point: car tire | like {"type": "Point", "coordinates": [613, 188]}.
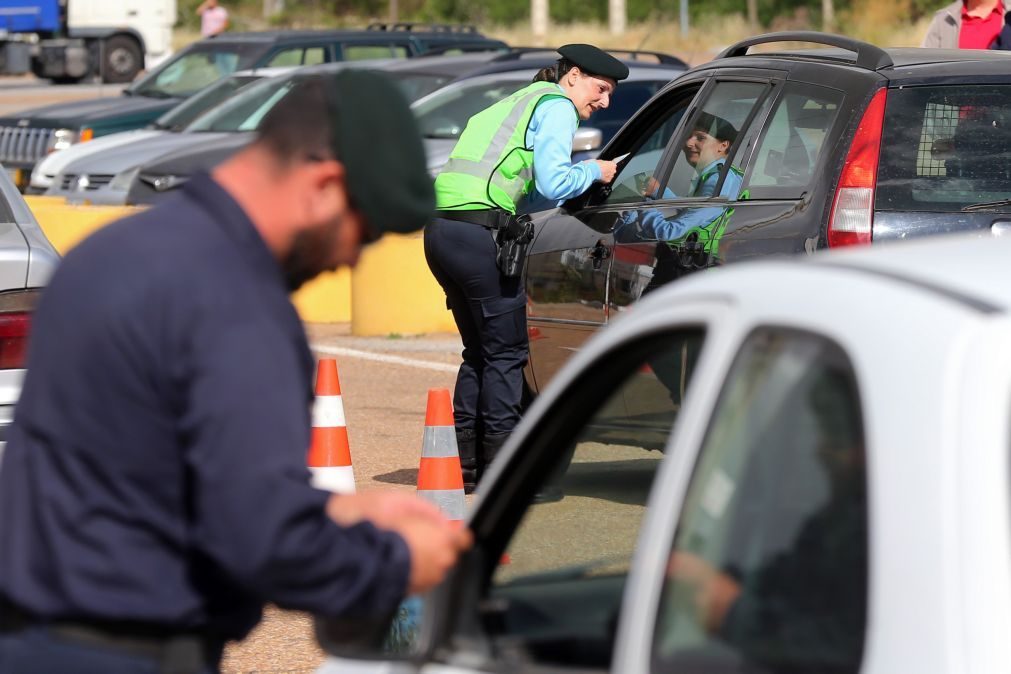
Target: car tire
{"type": "Point", "coordinates": [121, 59]}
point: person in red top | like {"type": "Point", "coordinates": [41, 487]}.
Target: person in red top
{"type": "Point", "coordinates": [966, 24]}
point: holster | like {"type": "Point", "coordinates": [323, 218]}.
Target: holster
{"type": "Point", "coordinates": [512, 238]}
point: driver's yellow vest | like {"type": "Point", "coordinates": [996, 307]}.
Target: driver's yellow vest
{"type": "Point", "coordinates": [491, 167]}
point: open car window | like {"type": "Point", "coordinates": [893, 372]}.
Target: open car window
{"type": "Point", "coordinates": [703, 166]}
{"type": "Point", "coordinates": [558, 588]}
{"type": "Point", "coordinates": [640, 170]}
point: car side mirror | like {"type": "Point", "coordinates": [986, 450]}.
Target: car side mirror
{"type": "Point", "coordinates": [587, 139]}
{"type": "Point", "coordinates": [353, 638]}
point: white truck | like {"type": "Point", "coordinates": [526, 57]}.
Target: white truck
{"type": "Point", "coordinates": [72, 40]}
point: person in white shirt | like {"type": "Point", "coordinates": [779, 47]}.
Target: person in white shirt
{"type": "Point", "coordinates": [213, 18]}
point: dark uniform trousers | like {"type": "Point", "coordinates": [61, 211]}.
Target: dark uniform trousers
{"type": "Point", "coordinates": [490, 312]}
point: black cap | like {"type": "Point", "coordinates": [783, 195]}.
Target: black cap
{"type": "Point", "coordinates": [594, 61]}
{"type": "Point", "coordinates": [716, 126]}
{"type": "Point", "coordinates": [376, 137]}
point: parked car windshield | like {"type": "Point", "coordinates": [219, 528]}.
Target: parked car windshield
{"type": "Point", "coordinates": [195, 68]}
{"type": "Point", "coordinates": [243, 111]}
{"type": "Point", "coordinates": [418, 85]}
{"type": "Point", "coordinates": [183, 114]}
{"type": "Point", "coordinates": [945, 148]}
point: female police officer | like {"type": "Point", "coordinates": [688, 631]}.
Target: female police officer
{"type": "Point", "coordinates": [518, 144]}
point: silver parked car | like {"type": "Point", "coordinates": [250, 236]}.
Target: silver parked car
{"type": "Point", "coordinates": [27, 260]}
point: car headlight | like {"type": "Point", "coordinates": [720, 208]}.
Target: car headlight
{"type": "Point", "coordinates": [64, 138]}
{"type": "Point", "coordinates": [163, 183]}
{"type": "Point", "coordinates": [123, 179]}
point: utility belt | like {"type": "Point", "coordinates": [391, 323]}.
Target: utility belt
{"type": "Point", "coordinates": [175, 652]}
{"type": "Point", "coordinates": [512, 235]}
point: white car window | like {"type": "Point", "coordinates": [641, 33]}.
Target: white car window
{"type": "Point", "coordinates": [768, 571]}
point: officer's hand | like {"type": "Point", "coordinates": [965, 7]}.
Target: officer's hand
{"type": "Point", "coordinates": [382, 508]}
{"type": "Point", "coordinates": [434, 546]}
{"type": "Point", "coordinates": [608, 169]}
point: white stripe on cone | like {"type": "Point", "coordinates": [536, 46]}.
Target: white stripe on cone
{"type": "Point", "coordinates": [328, 412]}
{"type": "Point", "coordinates": [336, 479]}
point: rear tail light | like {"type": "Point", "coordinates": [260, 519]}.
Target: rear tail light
{"type": "Point", "coordinates": [14, 328]}
{"type": "Point", "coordinates": [16, 310]}
{"type": "Point", "coordinates": [852, 218]}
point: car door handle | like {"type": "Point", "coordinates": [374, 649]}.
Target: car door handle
{"type": "Point", "coordinates": [1001, 228]}
{"type": "Point", "coordinates": [598, 254]}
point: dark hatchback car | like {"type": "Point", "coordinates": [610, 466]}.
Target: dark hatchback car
{"type": "Point", "coordinates": [829, 147]}
{"type": "Point", "coordinates": [30, 135]}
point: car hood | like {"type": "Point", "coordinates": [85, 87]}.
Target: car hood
{"type": "Point", "coordinates": [57, 161]}
{"type": "Point", "coordinates": [437, 151]}
{"type": "Point", "coordinates": [124, 157]}
{"type": "Point", "coordinates": [89, 111]}
{"type": "Point", "coordinates": [200, 157]}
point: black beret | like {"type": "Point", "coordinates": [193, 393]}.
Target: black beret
{"type": "Point", "coordinates": [594, 61]}
{"type": "Point", "coordinates": [715, 126]}
{"type": "Point", "coordinates": [376, 137]}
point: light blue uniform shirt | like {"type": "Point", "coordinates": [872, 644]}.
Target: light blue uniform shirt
{"type": "Point", "coordinates": [653, 226]}
{"type": "Point", "coordinates": [550, 134]}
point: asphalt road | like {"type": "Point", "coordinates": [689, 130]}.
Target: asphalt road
{"type": "Point", "coordinates": [24, 93]}
{"type": "Point", "coordinates": [385, 384]}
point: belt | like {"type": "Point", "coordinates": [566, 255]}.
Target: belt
{"type": "Point", "coordinates": [489, 218]}
{"type": "Point", "coordinates": [176, 652]}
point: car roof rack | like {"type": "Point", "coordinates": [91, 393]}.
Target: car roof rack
{"type": "Point", "coordinates": [516, 53]}
{"type": "Point", "coordinates": [427, 27]}
{"type": "Point", "coordinates": [869, 56]}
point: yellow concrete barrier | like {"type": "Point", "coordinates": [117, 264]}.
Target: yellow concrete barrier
{"type": "Point", "coordinates": [325, 299]}
{"type": "Point", "coordinates": [66, 224]}
{"type": "Point", "coordinates": [393, 290]}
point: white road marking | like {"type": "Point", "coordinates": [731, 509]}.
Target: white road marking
{"type": "Point", "coordinates": [383, 358]}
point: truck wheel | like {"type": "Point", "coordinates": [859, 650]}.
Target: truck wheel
{"type": "Point", "coordinates": [122, 59]}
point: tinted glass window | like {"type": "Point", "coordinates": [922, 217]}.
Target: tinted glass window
{"type": "Point", "coordinates": [768, 571]}
{"type": "Point", "coordinates": [704, 151]}
{"type": "Point", "coordinates": [234, 114]}
{"type": "Point", "coordinates": [944, 148]}
{"type": "Point", "coordinates": [445, 114]}
{"type": "Point", "coordinates": [636, 175]}
{"type": "Point", "coordinates": [361, 52]}
{"type": "Point", "coordinates": [418, 85]}
{"type": "Point", "coordinates": [561, 583]}
{"type": "Point", "coordinates": [299, 57]}
{"type": "Point", "coordinates": [794, 138]}
{"type": "Point", "coordinates": [196, 105]}
{"type": "Point", "coordinates": [197, 67]}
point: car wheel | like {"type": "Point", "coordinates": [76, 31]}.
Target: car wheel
{"type": "Point", "coordinates": [122, 59]}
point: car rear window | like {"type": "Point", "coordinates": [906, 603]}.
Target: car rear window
{"type": "Point", "coordinates": [944, 148]}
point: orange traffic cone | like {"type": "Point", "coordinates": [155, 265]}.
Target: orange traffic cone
{"type": "Point", "coordinates": [329, 452]}
{"type": "Point", "coordinates": [440, 478]}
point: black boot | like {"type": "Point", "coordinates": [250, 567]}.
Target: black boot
{"type": "Point", "coordinates": [491, 443]}
{"type": "Point", "coordinates": [466, 444]}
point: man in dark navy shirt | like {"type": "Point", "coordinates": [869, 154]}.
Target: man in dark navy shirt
{"type": "Point", "coordinates": [154, 494]}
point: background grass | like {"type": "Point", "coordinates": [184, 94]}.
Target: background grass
{"type": "Point", "coordinates": [887, 23]}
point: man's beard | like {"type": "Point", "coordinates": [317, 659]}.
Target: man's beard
{"type": "Point", "coordinates": [308, 257]}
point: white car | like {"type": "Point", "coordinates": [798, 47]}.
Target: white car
{"type": "Point", "coordinates": [832, 494]}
